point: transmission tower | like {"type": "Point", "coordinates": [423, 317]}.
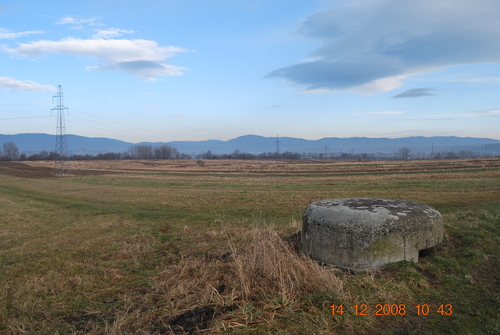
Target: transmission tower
{"type": "Point", "coordinates": [62, 160]}
{"type": "Point", "coordinates": [277, 141]}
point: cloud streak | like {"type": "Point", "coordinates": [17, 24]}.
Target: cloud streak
{"type": "Point", "coordinates": [472, 114]}
{"type": "Point", "coordinates": [73, 20]}
{"type": "Point", "coordinates": [140, 58]}
{"type": "Point", "coordinates": [416, 93]}
{"type": "Point", "coordinates": [427, 119]}
{"type": "Point", "coordinates": [7, 34]}
{"type": "Point", "coordinates": [385, 113]}
{"type": "Point", "coordinates": [111, 32]}
{"type": "Point", "coordinates": [14, 85]}
{"type": "Point", "coordinates": [394, 39]}
{"type": "Point", "coordinates": [480, 113]}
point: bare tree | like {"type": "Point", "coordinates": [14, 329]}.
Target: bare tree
{"type": "Point", "coordinates": [404, 153]}
{"type": "Point", "coordinates": [132, 151]}
{"type": "Point", "coordinates": [144, 151]}
{"type": "Point", "coordinates": [141, 151]}
{"type": "Point", "coordinates": [10, 151]}
{"type": "Point", "coordinates": [166, 152]}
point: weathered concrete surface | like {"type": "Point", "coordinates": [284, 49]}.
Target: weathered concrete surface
{"type": "Point", "coordinates": [362, 233]}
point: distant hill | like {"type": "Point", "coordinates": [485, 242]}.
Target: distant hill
{"type": "Point", "coordinates": [332, 145]}
{"type": "Point", "coordinates": [32, 143]}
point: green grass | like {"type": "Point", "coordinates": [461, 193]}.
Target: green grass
{"type": "Point", "coordinates": [130, 253]}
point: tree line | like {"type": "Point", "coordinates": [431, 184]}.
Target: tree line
{"type": "Point", "coordinates": [404, 153]}
{"type": "Point", "coordinates": [10, 152]}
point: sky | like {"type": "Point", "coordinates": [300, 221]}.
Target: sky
{"type": "Point", "coordinates": [177, 70]}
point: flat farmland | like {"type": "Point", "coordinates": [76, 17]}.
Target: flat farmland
{"type": "Point", "coordinates": [212, 247]}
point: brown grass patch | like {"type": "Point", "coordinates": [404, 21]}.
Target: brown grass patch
{"type": "Point", "coordinates": [267, 273]}
{"type": "Point", "coordinates": [270, 267]}
{"type": "Point", "coordinates": [259, 167]}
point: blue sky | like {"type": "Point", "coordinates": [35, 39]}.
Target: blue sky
{"type": "Point", "coordinates": [218, 69]}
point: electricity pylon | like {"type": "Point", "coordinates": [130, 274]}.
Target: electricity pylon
{"type": "Point", "coordinates": [277, 141]}
{"type": "Point", "coordinates": [61, 156]}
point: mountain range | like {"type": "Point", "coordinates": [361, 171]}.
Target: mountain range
{"type": "Point", "coordinates": [33, 143]}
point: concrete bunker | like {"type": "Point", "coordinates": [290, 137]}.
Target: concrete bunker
{"type": "Point", "coordinates": [364, 233]}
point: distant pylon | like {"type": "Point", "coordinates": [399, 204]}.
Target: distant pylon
{"type": "Point", "coordinates": [277, 141]}
{"type": "Point", "coordinates": [62, 160]}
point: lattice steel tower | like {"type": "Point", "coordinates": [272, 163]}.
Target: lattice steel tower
{"type": "Point", "coordinates": [62, 160]}
{"type": "Point", "coordinates": [277, 141]}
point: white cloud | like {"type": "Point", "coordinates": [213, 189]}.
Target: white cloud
{"type": "Point", "coordinates": [141, 58]}
{"type": "Point", "coordinates": [480, 80]}
{"type": "Point", "coordinates": [111, 32]}
{"type": "Point", "coordinates": [11, 84]}
{"type": "Point", "coordinates": [381, 113]}
{"type": "Point", "coordinates": [370, 88]}
{"type": "Point", "coordinates": [431, 118]}
{"type": "Point", "coordinates": [472, 114]}
{"type": "Point", "coordinates": [386, 113]}
{"type": "Point", "coordinates": [377, 86]}
{"type": "Point", "coordinates": [363, 46]}
{"type": "Point", "coordinates": [72, 20]}
{"type": "Point", "coordinates": [480, 113]}
{"type": "Point", "coordinates": [7, 34]}
{"type": "Point", "coordinates": [147, 70]}
{"type": "Point", "coordinates": [487, 113]}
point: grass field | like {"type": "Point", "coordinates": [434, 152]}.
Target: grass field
{"type": "Point", "coordinates": [176, 247]}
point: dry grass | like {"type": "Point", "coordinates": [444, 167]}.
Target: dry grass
{"type": "Point", "coordinates": [269, 267]}
{"type": "Point", "coordinates": [259, 167]}
{"type": "Point", "coordinates": [267, 274]}
{"type": "Point", "coordinates": [162, 248]}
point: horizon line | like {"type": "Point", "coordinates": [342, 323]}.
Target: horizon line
{"type": "Point", "coordinates": [281, 137]}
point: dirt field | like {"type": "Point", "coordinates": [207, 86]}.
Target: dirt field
{"type": "Point", "coordinates": [45, 169]}
{"type": "Point", "coordinates": [37, 170]}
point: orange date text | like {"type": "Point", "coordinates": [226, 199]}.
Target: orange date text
{"type": "Point", "coordinates": [391, 309]}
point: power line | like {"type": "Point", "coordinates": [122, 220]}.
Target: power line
{"type": "Point", "coordinates": [135, 113]}
{"type": "Point", "coordinates": [31, 104]}
{"type": "Point", "coordinates": [141, 136]}
{"type": "Point", "coordinates": [199, 131]}
{"type": "Point", "coordinates": [103, 118]}
{"type": "Point", "coordinates": [86, 125]}
{"type": "Point", "coordinates": [123, 131]}
{"type": "Point", "coordinates": [25, 117]}
{"type": "Point", "coordinates": [120, 130]}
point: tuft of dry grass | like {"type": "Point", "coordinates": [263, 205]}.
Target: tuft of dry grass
{"type": "Point", "coordinates": [269, 266]}
{"type": "Point", "coordinates": [262, 270]}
